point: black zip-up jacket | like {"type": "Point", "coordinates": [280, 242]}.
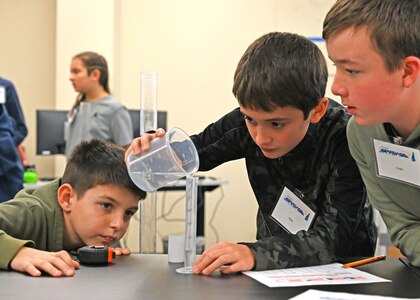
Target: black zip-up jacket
{"type": "Point", "coordinates": [320, 169]}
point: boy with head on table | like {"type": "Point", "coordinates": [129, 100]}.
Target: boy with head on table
{"type": "Point", "coordinates": [312, 204]}
{"type": "Point", "coordinates": [90, 205]}
{"type": "Point", "coordinates": [375, 46]}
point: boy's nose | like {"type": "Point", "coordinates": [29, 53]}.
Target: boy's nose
{"type": "Point", "coordinates": [337, 87]}
{"type": "Point", "coordinates": [117, 222]}
{"type": "Point", "coordinates": [262, 138]}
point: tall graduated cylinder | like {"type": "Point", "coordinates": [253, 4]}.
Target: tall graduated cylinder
{"type": "Point", "coordinates": [148, 101]}
{"type": "Point", "coordinates": [148, 122]}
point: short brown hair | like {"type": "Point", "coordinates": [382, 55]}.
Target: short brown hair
{"type": "Point", "coordinates": [96, 162]}
{"type": "Point", "coordinates": [394, 26]}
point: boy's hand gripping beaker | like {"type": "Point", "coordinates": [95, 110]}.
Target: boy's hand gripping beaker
{"type": "Point", "coordinates": [170, 158]}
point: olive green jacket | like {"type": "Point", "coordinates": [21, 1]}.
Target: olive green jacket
{"type": "Point", "coordinates": [397, 202]}
{"type": "Point", "coordinates": [34, 219]}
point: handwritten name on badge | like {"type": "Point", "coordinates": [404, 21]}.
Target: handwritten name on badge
{"type": "Point", "coordinates": [397, 162]}
{"type": "Point", "coordinates": [292, 213]}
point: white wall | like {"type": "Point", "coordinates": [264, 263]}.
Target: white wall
{"type": "Point", "coordinates": [305, 17]}
{"type": "Point", "coordinates": [194, 46]}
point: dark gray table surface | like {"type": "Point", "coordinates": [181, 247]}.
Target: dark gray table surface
{"type": "Point", "coordinates": [151, 277]}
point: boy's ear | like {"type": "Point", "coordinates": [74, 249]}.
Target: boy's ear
{"type": "Point", "coordinates": [318, 112]}
{"type": "Point", "coordinates": [66, 194]}
{"type": "Point", "coordinates": [411, 65]}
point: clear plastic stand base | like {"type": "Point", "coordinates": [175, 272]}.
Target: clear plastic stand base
{"type": "Point", "coordinates": [190, 225]}
{"type": "Point", "coordinates": [185, 270]}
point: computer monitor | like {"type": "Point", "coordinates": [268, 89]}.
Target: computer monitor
{"type": "Point", "coordinates": [50, 129]}
{"type": "Point", "coordinates": [135, 120]}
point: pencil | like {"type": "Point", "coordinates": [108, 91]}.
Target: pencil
{"type": "Point", "coordinates": [363, 261]}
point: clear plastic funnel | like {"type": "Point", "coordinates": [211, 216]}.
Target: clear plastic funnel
{"type": "Point", "coordinates": [170, 158]}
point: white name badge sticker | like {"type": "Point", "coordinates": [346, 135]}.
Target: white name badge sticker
{"type": "Point", "coordinates": [2, 95]}
{"type": "Point", "coordinates": [397, 162]}
{"type": "Point", "coordinates": [291, 213]}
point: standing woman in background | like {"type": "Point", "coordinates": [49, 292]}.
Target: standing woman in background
{"type": "Point", "coordinates": [96, 113]}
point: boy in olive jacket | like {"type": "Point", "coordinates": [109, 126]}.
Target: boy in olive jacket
{"type": "Point", "coordinates": [90, 205]}
{"type": "Point", "coordinates": [375, 46]}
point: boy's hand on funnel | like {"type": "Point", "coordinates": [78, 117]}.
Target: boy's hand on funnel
{"type": "Point", "coordinates": [142, 143]}
{"type": "Point", "coordinates": [226, 257]}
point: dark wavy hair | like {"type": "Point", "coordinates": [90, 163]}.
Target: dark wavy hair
{"type": "Point", "coordinates": [281, 69]}
{"type": "Point", "coordinates": [93, 61]}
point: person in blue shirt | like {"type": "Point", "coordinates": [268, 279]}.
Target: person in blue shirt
{"type": "Point", "coordinates": [13, 131]}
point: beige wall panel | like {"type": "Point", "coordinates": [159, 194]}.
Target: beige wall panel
{"type": "Point", "coordinates": [27, 50]}
{"type": "Point", "coordinates": [305, 17]}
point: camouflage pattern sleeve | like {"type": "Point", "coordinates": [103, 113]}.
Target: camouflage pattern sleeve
{"type": "Point", "coordinates": [343, 226]}
{"type": "Point", "coordinates": [321, 169]}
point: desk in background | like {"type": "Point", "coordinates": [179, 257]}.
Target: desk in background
{"type": "Point", "coordinates": [36, 185]}
{"type": "Point", "coordinates": [205, 184]}
{"type": "Point", "coordinates": [149, 276]}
